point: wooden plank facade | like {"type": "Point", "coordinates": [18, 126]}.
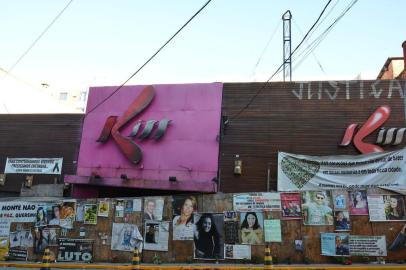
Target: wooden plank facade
{"type": "Point", "coordinates": [307, 118]}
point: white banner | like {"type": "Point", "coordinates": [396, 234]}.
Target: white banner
{"type": "Point", "coordinates": [15, 211]}
{"type": "Point", "coordinates": [34, 165]}
{"type": "Point", "coordinates": [383, 170]}
{"type": "Point", "coordinates": [363, 245]}
{"type": "Point", "coordinates": [237, 252]}
{"type": "Point", "coordinates": [266, 201]}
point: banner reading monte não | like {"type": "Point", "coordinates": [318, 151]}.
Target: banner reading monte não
{"type": "Point", "coordinates": [376, 170]}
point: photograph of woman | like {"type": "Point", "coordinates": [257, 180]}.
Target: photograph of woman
{"type": "Point", "coordinates": [394, 207]}
{"type": "Point", "coordinates": [183, 226]}
{"type": "Point", "coordinates": [358, 205]}
{"type": "Point", "coordinates": [41, 217]}
{"type": "Point", "coordinates": [251, 228]}
{"type": "Point", "coordinates": [56, 216]}
{"type": "Point", "coordinates": [208, 236]}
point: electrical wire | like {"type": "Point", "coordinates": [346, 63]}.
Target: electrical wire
{"type": "Point", "coordinates": [280, 67]}
{"type": "Point", "coordinates": [149, 59]}
{"type": "Point", "coordinates": [39, 37]}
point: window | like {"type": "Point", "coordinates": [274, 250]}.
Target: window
{"type": "Point", "coordinates": [63, 96]}
{"type": "Point", "coordinates": [83, 96]}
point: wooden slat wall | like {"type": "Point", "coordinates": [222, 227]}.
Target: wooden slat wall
{"type": "Point", "coordinates": [41, 136]}
{"type": "Point", "coordinates": [277, 120]}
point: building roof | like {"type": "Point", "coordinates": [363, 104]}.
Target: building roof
{"type": "Point", "coordinates": [386, 65]}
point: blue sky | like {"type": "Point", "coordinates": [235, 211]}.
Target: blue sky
{"type": "Point", "coordinates": [100, 42]}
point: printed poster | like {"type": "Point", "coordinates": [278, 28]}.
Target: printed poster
{"type": "Point", "coordinates": [75, 250]}
{"type": "Point", "coordinates": [231, 232]}
{"type": "Point", "coordinates": [183, 224]}
{"type": "Point", "coordinates": [153, 208]}
{"type": "Point", "coordinates": [126, 237]}
{"type": "Point", "coordinates": [358, 202]}
{"type": "Point", "coordinates": [54, 214]}
{"type": "Point", "coordinates": [68, 214]}
{"type": "Point", "coordinates": [335, 244]}
{"type": "Point", "coordinates": [44, 237]}
{"type": "Point", "coordinates": [15, 211]}
{"type": "Point", "coordinates": [104, 208]}
{"type": "Point", "coordinates": [156, 235]}
{"type": "Point", "coordinates": [363, 245]}
{"type": "Point", "coordinates": [266, 201]}
{"type": "Point", "coordinates": [237, 252]}
{"type": "Point", "coordinates": [128, 206]}
{"type": "Point", "coordinates": [317, 208]}
{"type": "Point", "coordinates": [17, 254]}
{"type": "Point", "coordinates": [230, 215]}
{"type": "Point", "coordinates": [273, 232]}
{"type": "Point", "coordinates": [340, 199]}
{"type": "Point", "coordinates": [386, 207]}
{"type": "Point", "coordinates": [119, 208]}
{"type": "Point", "coordinates": [33, 165]}
{"type": "Point", "coordinates": [22, 239]}
{"type": "Point", "coordinates": [80, 214]}
{"type": "Point", "coordinates": [342, 221]}
{"type": "Point", "coordinates": [375, 170]}
{"type": "Point", "coordinates": [90, 214]}
{"type": "Point", "coordinates": [137, 205]}
{"type": "Point", "coordinates": [209, 236]}
{"type": "Point", "coordinates": [291, 206]}
{"type": "Point", "coordinates": [251, 227]}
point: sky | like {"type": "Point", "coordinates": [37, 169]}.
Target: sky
{"type": "Point", "coordinates": [100, 42]}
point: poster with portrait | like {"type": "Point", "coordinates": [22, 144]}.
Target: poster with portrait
{"type": "Point", "coordinates": [21, 239]}
{"type": "Point", "coordinates": [119, 208]}
{"type": "Point", "coordinates": [44, 237]}
{"type": "Point", "coordinates": [153, 208]}
{"type": "Point", "coordinates": [273, 231]}
{"type": "Point", "coordinates": [335, 244]}
{"type": "Point", "coordinates": [128, 206]}
{"type": "Point", "coordinates": [68, 214]}
{"type": "Point", "coordinates": [358, 202]}
{"type": "Point", "coordinates": [386, 207]}
{"type": "Point", "coordinates": [340, 199]}
{"type": "Point", "coordinates": [252, 228]}
{"type": "Point", "coordinates": [209, 236]}
{"type": "Point", "coordinates": [54, 214]}
{"type": "Point", "coordinates": [263, 201]}
{"type": "Point", "coordinates": [365, 245]}
{"type": "Point", "coordinates": [317, 208]}
{"type": "Point", "coordinates": [126, 237]}
{"type": "Point", "coordinates": [237, 252]}
{"type": "Point", "coordinates": [291, 208]}
{"type": "Point", "coordinates": [342, 221]}
{"type": "Point", "coordinates": [103, 208]}
{"type": "Point", "coordinates": [80, 214]}
{"type": "Point", "coordinates": [137, 205]}
{"type": "Point", "coordinates": [231, 232]}
{"type": "Point", "coordinates": [90, 214]}
{"type": "Point", "coordinates": [183, 223]}
{"type": "Point", "coordinates": [43, 214]}
{"type": "Point", "coordinates": [156, 235]}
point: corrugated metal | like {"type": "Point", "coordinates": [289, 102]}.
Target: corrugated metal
{"type": "Point", "coordinates": [41, 136]}
{"type": "Point", "coordinates": [277, 120]}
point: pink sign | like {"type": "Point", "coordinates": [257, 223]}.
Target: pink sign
{"type": "Point", "coordinates": [175, 137]}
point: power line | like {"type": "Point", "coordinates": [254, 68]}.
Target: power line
{"type": "Point", "coordinates": [39, 37]}
{"type": "Point", "coordinates": [279, 68]}
{"type": "Point", "coordinates": [149, 59]}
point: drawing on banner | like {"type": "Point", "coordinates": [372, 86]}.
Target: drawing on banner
{"type": "Point", "coordinates": [400, 241]}
{"type": "Point", "coordinates": [386, 207]}
{"type": "Point", "coordinates": [90, 214]}
{"type": "Point", "coordinates": [156, 235]}
{"type": "Point", "coordinates": [153, 208]}
{"type": "Point", "coordinates": [183, 225]}
{"type": "Point", "coordinates": [126, 237]}
{"type": "Point", "coordinates": [55, 216]}
{"type": "Point", "coordinates": [358, 205]}
{"type": "Point", "coordinates": [252, 232]}
{"type": "Point", "coordinates": [267, 201]}
{"type": "Point", "coordinates": [301, 172]}
{"type": "Point", "coordinates": [103, 209]}
{"type": "Point", "coordinates": [23, 239]}
{"type": "Point", "coordinates": [273, 231]}
{"type": "Point", "coordinates": [335, 244]}
{"type": "Point", "coordinates": [342, 221]}
{"type": "Point", "coordinates": [80, 250]}
{"type": "Point", "coordinates": [291, 206]}
{"type": "Point", "coordinates": [137, 205]}
{"type": "Point", "coordinates": [237, 252]}
{"type": "Point", "coordinates": [208, 236]}
{"type": "Point", "coordinates": [317, 208]}
{"type": "Point", "coordinates": [364, 245]}
{"type": "Point", "coordinates": [68, 213]}
{"type": "Point", "coordinates": [340, 199]}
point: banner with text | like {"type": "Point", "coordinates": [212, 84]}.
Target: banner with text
{"type": "Point", "coordinates": [383, 170]}
{"type": "Point", "coordinates": [265, 201]}
{"type": "Point", "coordinates": [75, 250]}
{"type": "Point", "coordinates": [363, 245]}
{"type": "Point", "coordinates": [34, 165]}
{"type": "Point", "coordinates": [15, 211]}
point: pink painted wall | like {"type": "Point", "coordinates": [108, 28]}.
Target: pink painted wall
{"type": "Point", "coordinates": [189, 149]}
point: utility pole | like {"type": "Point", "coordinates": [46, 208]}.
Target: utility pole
{"type": "Point", "coordinates": [287, 46]}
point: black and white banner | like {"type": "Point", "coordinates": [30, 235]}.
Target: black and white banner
{"type": "Point", "coordinates": [33, 165]}
{"type": "Point", "coordinates": [75, 250]}
{"type": "Point", "coordinates": [383, 170]}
